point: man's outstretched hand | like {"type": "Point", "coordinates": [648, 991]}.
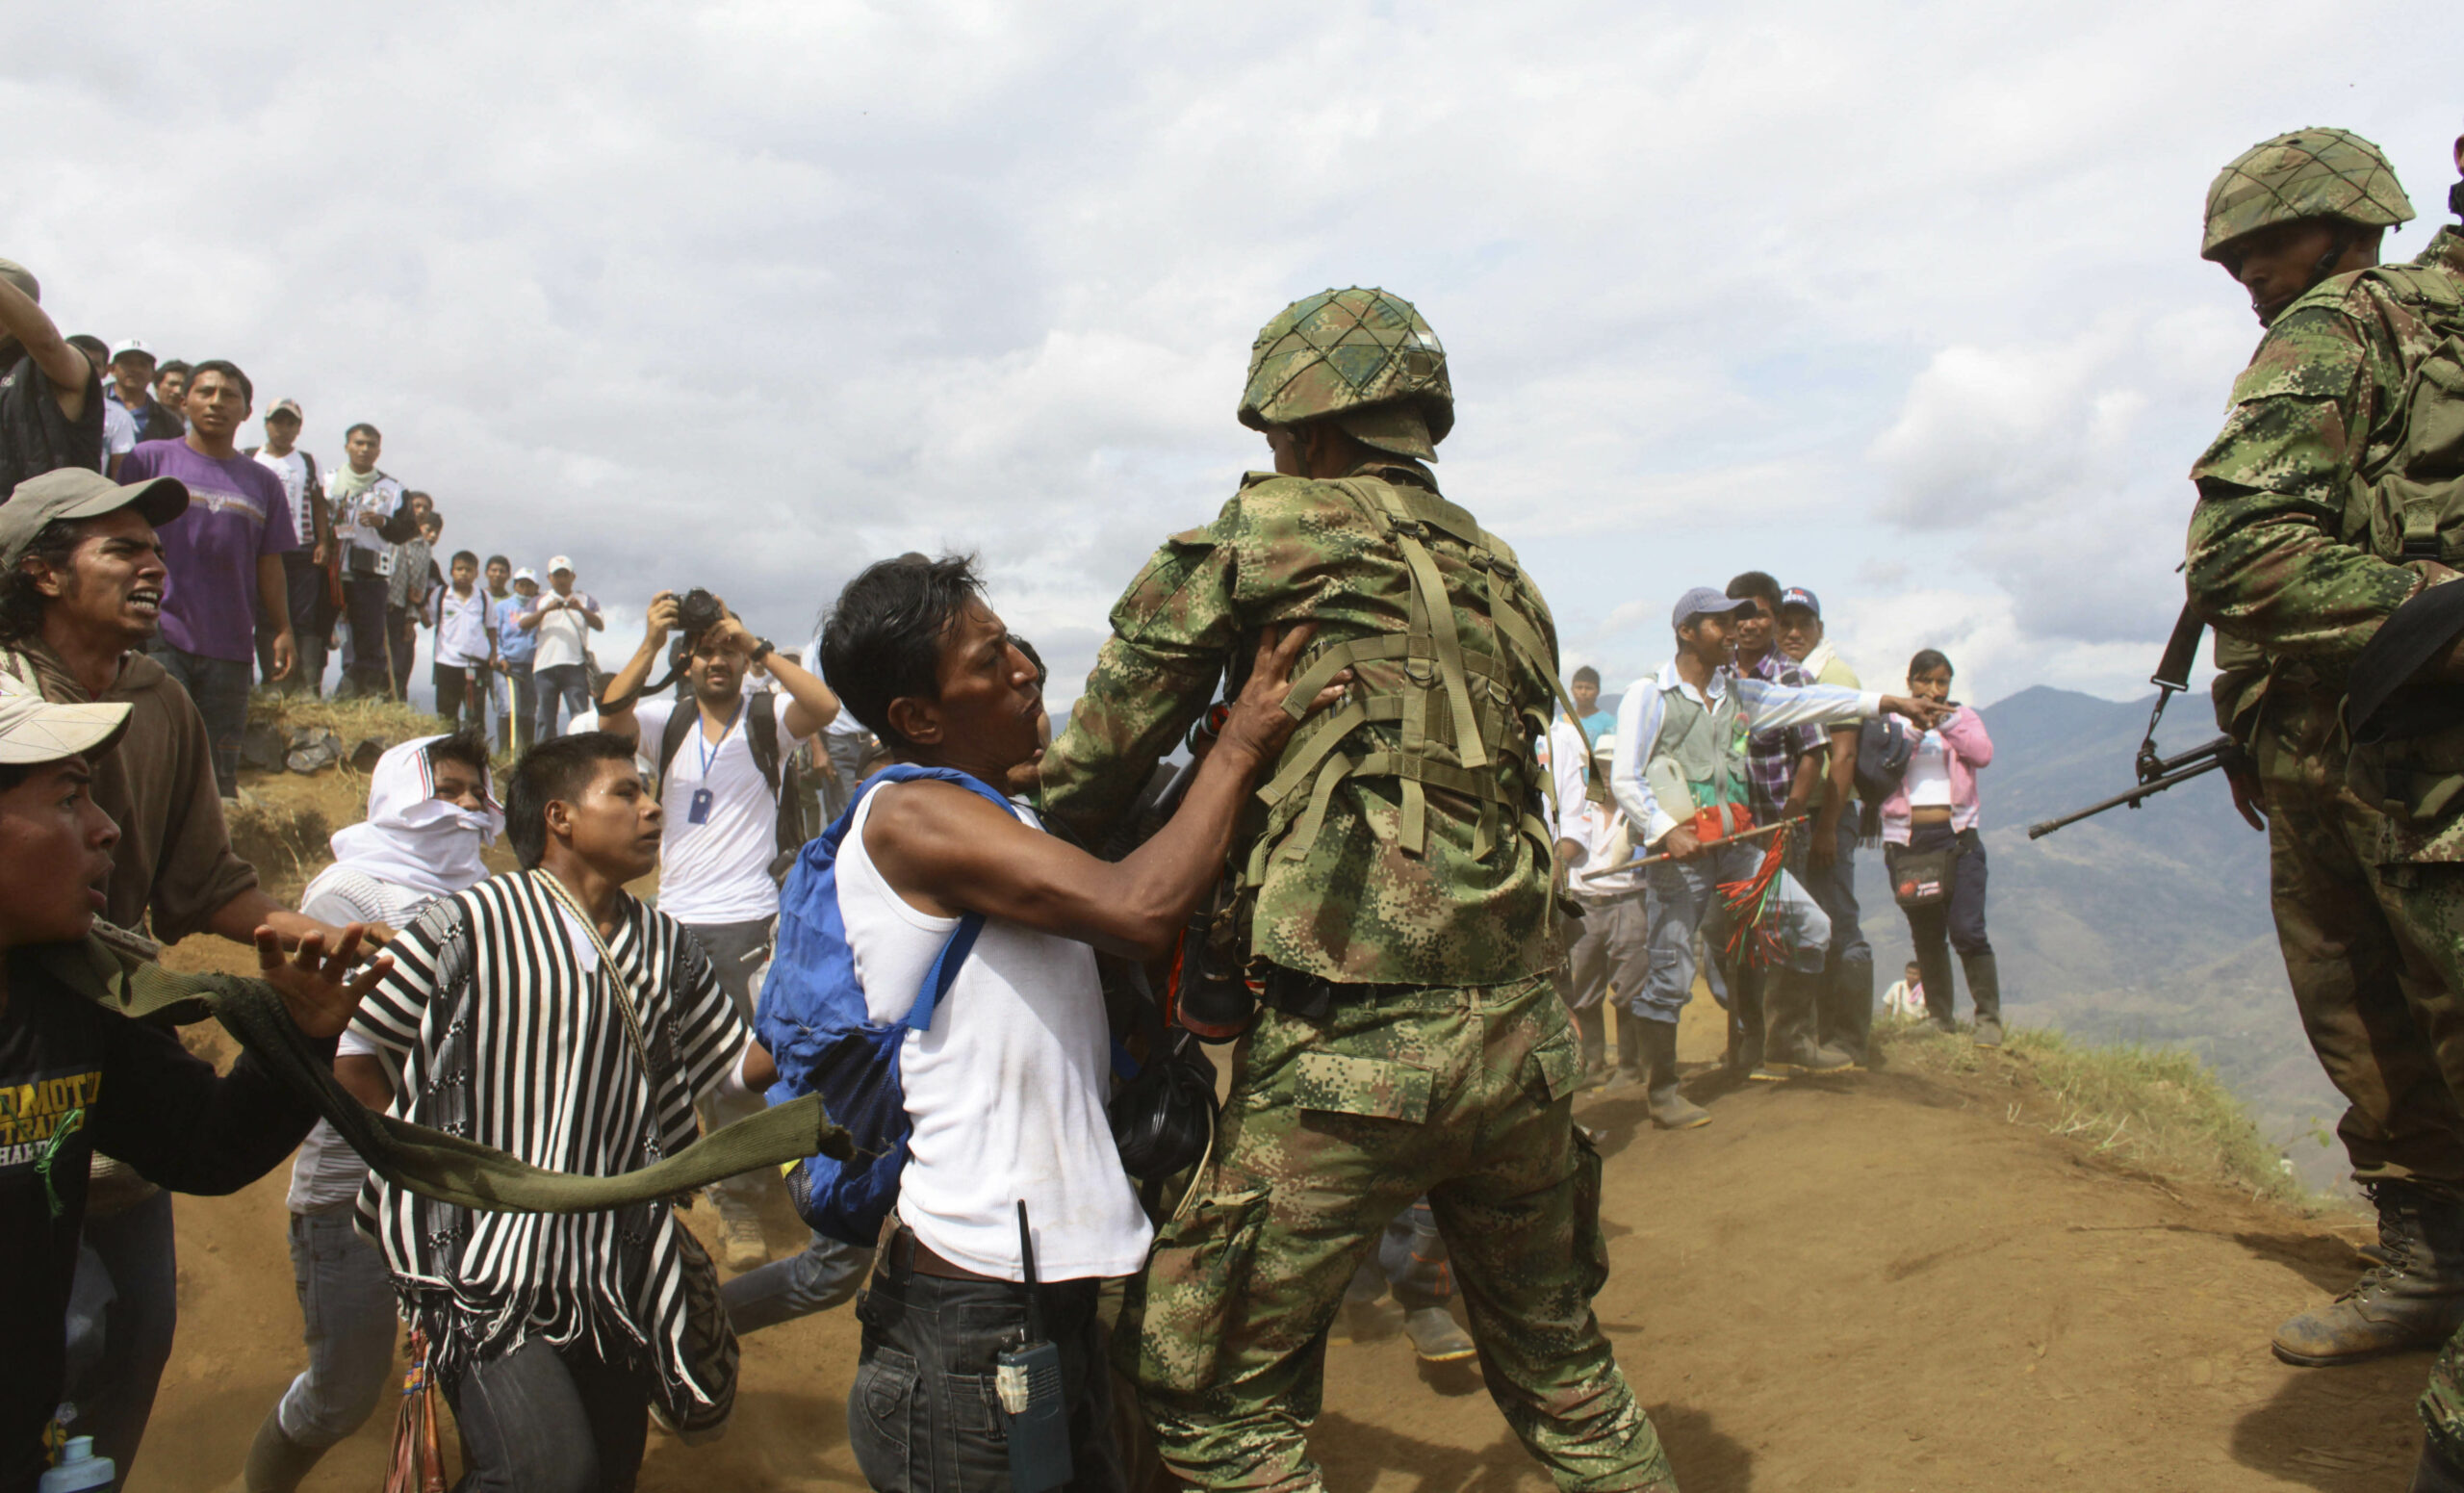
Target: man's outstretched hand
{"type": "Point", "coordinates": [1258, 725]}
{"type": "Point", "coordinates": [318, 988]}
{"type": "Point", "coordinates": [1925, 713]}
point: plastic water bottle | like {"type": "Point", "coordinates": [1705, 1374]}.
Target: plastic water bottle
{"type": "Point", "coordinates": [79, 1469]}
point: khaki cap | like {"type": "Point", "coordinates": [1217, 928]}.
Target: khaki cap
{"type": "Point", "coordinates": [34, 730]}
{"type": "Point", "coordinates": [81, 492]}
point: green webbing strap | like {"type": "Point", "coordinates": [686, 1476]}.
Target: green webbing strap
{"type": "Point", "coordinates": [1428, 590]}
{"type": "Point", "coordinates": [429, 1162]}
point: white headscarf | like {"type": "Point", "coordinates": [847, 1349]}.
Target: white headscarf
{"type": "Point", "coordinates": [413, 839]}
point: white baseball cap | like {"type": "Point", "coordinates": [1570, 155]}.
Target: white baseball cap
{"type": "Point", "coordinates": [525, 573]}
{"type": "Point", "coordinates": [131, 346]}
{"type": "Point", "coordinates": [33, 729]}
{"type": "Point", "coordinates": [559, 562]}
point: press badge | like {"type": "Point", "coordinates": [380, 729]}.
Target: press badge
{"type": "Point", "coordinates": [698, 811]}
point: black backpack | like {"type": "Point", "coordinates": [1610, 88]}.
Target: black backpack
{"type": "Point", "coordinates": [1884, 746]}
{"type": "Point", "coordinates": [761, 735]}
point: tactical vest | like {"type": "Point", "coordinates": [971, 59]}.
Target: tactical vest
{"type": "Point", "coordinates": [1703, 749]}
{"type": "Point", "coordinates": [1462, 713]}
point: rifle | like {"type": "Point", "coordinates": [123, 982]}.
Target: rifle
{"type": "Point", "coordinates": [2157, 772]}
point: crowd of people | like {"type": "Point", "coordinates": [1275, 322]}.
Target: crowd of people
{"type": "Point", "coordinates": [1730, 823]}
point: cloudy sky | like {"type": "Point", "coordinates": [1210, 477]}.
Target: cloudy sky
{"type": "Point", "coordinates": [1899, 302]}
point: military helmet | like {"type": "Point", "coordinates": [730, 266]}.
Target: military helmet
{"type": "Point", "coordinates": [2308, 173]}
{"type": "Point", "coordinates": [1360, 355]}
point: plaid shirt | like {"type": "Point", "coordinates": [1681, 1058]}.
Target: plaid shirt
{"type": "Point", "coordinates": [1771, 756]}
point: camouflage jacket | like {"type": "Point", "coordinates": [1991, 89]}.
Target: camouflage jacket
{"type": "Point", "coordinates": [2278, 544]}
{"type": "Point", "coordinates": [1354, 906]}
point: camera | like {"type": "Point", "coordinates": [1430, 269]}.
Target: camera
{"type": "Point", "coordinates": [697, 611]}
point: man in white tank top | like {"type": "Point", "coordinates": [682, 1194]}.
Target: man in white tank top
{"type": "Point", "coordinates": [1006, 1088]}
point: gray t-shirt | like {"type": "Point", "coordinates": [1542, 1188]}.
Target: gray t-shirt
{"type": "Point", "coordinates": [327, 1172]}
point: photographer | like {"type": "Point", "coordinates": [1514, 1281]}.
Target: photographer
{"type": "Point", "coordinates": [729, 811]}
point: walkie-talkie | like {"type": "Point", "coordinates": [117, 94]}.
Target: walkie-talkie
{"type": "Point", "coordinates": [1029, 1379]}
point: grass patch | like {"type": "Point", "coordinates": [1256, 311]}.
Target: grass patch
{"type": "Point", "coordinates": [2158, 1109]}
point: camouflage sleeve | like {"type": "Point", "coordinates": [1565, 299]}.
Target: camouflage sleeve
{"type": "Point", "coordinates": [2268, 561]}
{"type": "Point", "coordinates": [1172, 631]}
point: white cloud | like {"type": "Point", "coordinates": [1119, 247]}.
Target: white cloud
{"type": "Point", "coordinates": [1898, 302]}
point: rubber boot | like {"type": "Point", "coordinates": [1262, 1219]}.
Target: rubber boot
{"type": "Point", "coordinates": [1436, 1337]}
{"type": "Point", "coordinates": [1592, 1027]}
{"type": "Point", "coordinates": [2411, 1297]}
{"type": "Point", "coordinates": [277, 1464]}
{"type": "Point", "coordinates": [1669, 1109]}
{"type": "Point", "coordinates": [1789, 1046]}
{"type": "Point", "coordinates": [1630, 1051]}
{"type": "Point", "coordinates": [2435, 1473]}
{"type": "Point", "coordinates": [1985, 987]}
{"type": "Point", "coordinates": [1848, 1011]}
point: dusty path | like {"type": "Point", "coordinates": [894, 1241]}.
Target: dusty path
{"type": "Point", "coordinates": [1882, 1283]}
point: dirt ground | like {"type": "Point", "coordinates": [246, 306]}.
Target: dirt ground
{"type": "Point", "coordinates": [1885, 1282]}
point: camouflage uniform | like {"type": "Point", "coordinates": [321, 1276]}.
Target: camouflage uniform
{"type": "Point", "coordinates": [1396, 876]}
{"type": "Point", "coordinates": [2300, 549]}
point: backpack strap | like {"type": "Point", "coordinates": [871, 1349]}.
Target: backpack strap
{"type": "Point", "coordinates": [953, 953]}
{"type": "Point", "coordinates": [761, 734]}
{"type": "Point", "coordinates": [680, 722]}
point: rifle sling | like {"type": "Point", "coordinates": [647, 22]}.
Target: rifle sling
{"type": "Point", "coordinates": [431, 1163]}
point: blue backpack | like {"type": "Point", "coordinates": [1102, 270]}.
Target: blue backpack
{"type": "Point", "coordinates": [812, 1017]}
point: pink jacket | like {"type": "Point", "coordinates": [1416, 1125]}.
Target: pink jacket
{"type": "Point", "coordinates": [1969, 749]}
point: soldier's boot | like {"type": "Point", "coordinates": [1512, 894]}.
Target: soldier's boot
{"type": "Point", "coordinates": [1669, 1109]}
{"type": "Point", "coordinates": [277, 1464]}
{"type": "Point", "coordinates": [1630, 1052]}
{"type": "Point", "coordinates": [1436, 1337]}
{"type": "Point", "coordinates": [2411, 1297]}
{"type": "Point", "coordinates": [1788, 1037]}
{"type": "Point", "coordinates": [1848, 1011]}
{"type": "Point", "coordinates": [1985, 987]}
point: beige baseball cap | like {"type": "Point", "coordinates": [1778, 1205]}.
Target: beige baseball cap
{"type": "Point", "coordinates": [34, 730]}
{"type": "Point", "coordinates": [81, 492]}
{"type": "Point", "coordinates": [560, 562]}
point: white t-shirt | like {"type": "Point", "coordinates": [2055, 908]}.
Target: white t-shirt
{"type": "Point", "coordinates": [1929, 773]}
{"type": "Point", "coordinates": [717, 871]}
{"type": "Point", "coordinates": [293, 468]}
{"type": "Point", "coordinates": [564, 638]}
{"type": "Point", "coordinates": [462, 628]}
{"type": "Point", "coordinates": [1006, 1088]}
{"type": "Point", "coordinates": [119, 433]}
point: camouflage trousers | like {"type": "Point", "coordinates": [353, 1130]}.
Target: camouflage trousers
{"type": "Point", "coordinates": [2376, 954]}
{"type": "Point", "coordinates": [1330, 1129]}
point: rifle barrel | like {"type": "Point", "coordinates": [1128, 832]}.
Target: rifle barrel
{"type": "Point", "coordinates": [2150, 787]}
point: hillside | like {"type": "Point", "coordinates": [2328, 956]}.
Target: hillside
{"type": "Point", "coordinates": [1907, 1281]}
{"type": "Point", "coordinates": [2148, 925]}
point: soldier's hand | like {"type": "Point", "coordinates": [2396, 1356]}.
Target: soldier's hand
{"type": "Point", "coordinates": [1259, 724]}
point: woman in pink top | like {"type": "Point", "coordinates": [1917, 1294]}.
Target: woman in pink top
{"type": "Point", "coordinates": [1935, 809]}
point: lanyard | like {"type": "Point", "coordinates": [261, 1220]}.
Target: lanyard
{"type": "Point", "coordinates": [703, 748]}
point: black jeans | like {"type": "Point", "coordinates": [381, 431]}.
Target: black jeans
{"type": "Point", "coordinates": [924, 1416]}
{"type": "Point", "coordinates": [458, 700]}
{"type": "Point", "coordinates": [219, 686]}
{"type": "Point", "coordinates": [305, 584]}
{"type": "Point", "coordinates": [1959, 919]}
{"type": "Point", "coordinates": [368, 666]}
{"type": "Point", "coordinates": [549, 1420]}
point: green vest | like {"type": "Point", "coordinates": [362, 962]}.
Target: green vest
{"type": "Point", "coordinates": [1701, 748]}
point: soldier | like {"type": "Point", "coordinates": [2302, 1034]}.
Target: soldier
{"type": "Point", "coordinates": [1391, 895]}
{"type": "Point", "coordinates": [2330, 510]}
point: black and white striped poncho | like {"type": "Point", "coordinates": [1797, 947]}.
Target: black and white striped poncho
{"type": "Point", "coordinates": [533, 1058]}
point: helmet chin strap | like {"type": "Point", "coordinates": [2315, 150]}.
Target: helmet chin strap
{"type": "Point", "coordinates": [2327, 265]}
{"type": "Point", "coordinates": [2456, 199]}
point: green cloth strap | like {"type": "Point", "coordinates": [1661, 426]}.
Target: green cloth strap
{"type": "Point", "coordinates": [429, 1162]}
